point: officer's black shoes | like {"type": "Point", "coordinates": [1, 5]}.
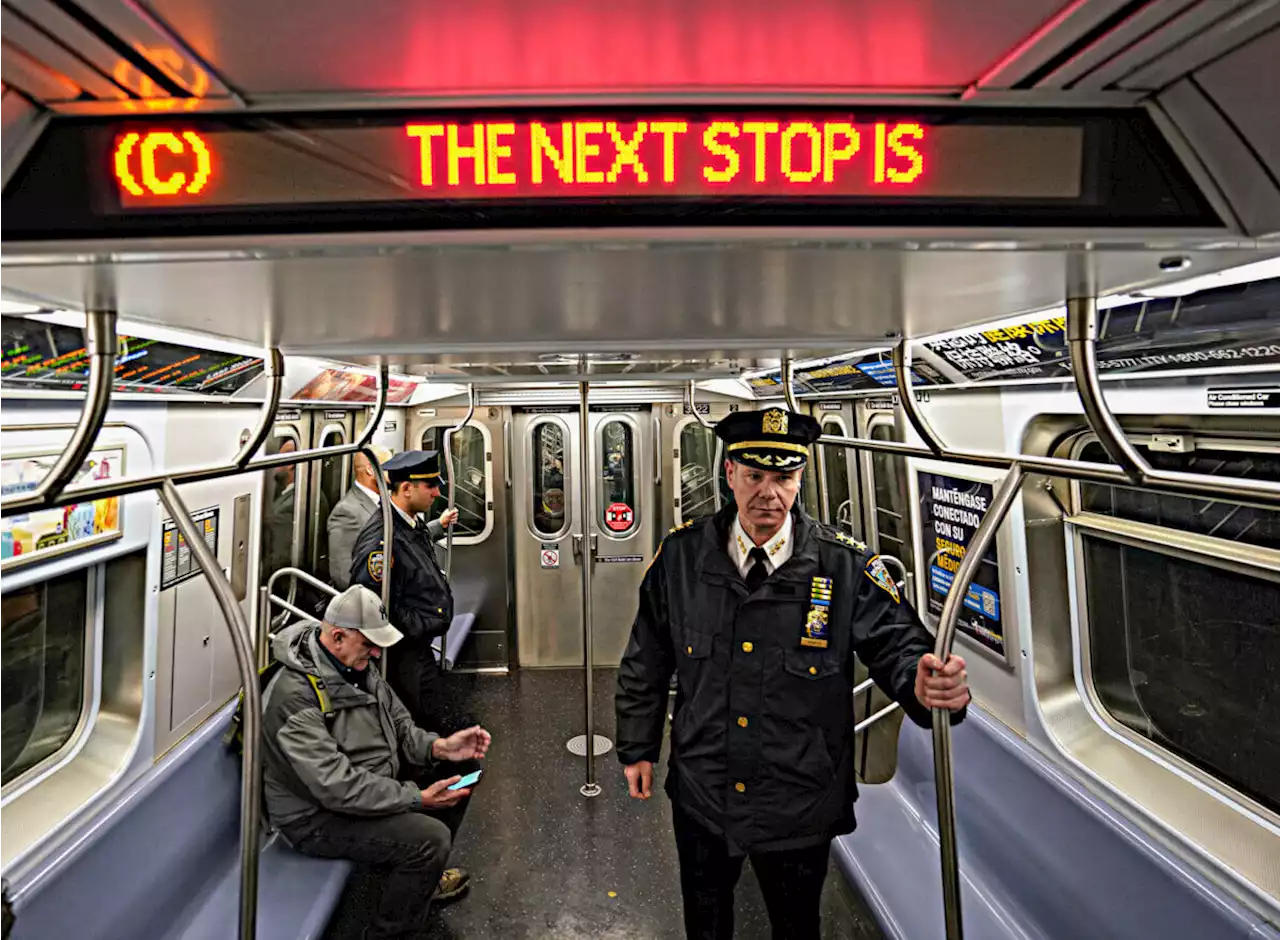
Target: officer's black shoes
{"type": "Point", "coordinates": [453, 884]}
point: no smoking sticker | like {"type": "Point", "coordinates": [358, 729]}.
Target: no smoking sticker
{"type": "Point", "coordinates": [619, 517]}
{"type": "Point", "coordinates": [551, 558]}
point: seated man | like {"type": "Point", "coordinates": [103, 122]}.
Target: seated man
{"type": "Point", "coordinates": [333, 736]}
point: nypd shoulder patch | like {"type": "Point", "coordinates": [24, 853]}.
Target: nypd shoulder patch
{"type": "Point", "coordinates": [374, 564]}
{"type": "Point", "coordinates": [880, 576]}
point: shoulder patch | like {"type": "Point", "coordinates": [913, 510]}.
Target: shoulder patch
{"type": "Point", "coordinates": [880, 577]}
{"type": "Point", "coordinates": [674, 529]}
{"type": "Point", "coordinates": [374, 564]}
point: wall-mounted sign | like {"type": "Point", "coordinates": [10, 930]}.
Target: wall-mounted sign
{"type": "Point", "coordinates": [1258, 396]}
{"type": "Point", "coordinates": [389, 425]}
{"type": "Point", "coordinates": [619, 517]}
{"type": "Point", "coordinates": [549, 557]}
{"type": "Point", "coordinates": [951, 509]}
{"type": "Point", "coordinates": [176, 561]}
{"type": "Point", "coordinates": [42, 533]}
{"type": "Point", "coordinates": [336, 415]}
{"type": "Point", "coordinates": [619, 559]}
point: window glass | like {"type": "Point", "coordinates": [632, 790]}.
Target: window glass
{"type": "Point", "coordinates": [839, 494]}
{"type": "Point", "coordinates": [42, 656]}
{"type": "Point", "coordinates": [1218, 518]}
{"type": "Point", "coordinates": [278, 512]}
{"type": "Point", "coordinates": [469, 466]}
{"type": "Point", "coordinates": [616, 497]}
{"type": "Point", "coordinates": [891, 498]}
{"type": "Point", "coordinates": [698, 470]}
{"type": "Point", "coordinates": [549, 481]}
{"type": "Point", "coordinates": [332, 485]}
{"type": "Point", "coordinates": [1184, 654]}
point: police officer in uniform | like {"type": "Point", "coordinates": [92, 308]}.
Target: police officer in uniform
{"type": "Point", "coordinates": [420, 596]}
{"type": "Point", "coordinates": [759, 611]}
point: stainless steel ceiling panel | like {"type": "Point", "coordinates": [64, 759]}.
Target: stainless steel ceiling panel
{"type": "Point", "coordinates": [466, 301]}
{"type": "Point", "coordinates": [332, 47]}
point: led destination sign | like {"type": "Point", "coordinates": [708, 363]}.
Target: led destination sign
{"type": "Point", "coordinates": [772, 155]}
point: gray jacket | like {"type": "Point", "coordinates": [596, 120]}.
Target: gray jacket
{"type": "Point", "coordinates": [345, 523]}
{"type": "Point", "coordinates": [343, 757]}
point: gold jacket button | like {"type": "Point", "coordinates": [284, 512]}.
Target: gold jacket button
{"type": "Point", "coordinates": [813, 670]}
{"type": "Point", "coordinates": [740, 787]}
{"type": "Point", "coordinates": [747, 647]}
{"type": "Point", "coordinates": [689, 650]}
{"type": "Point", "coordinates": [742, 722]}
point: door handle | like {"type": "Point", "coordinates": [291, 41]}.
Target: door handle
{"type": "Point", "coordinates": [577, 548]}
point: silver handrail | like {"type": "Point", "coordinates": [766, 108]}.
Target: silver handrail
{"type": "Point", "coordinates": [693, 408]}
{"type": "Point", "coordinates": [1082, 339]}
{"type": "Point", "coordinates": [154, 481]}
{"type": "Point", "coordinates": [100, 343]}
{"type": "Point", "coordinates": [251, 712]}
{"type": "Point", "coordinates": [902, 374]}
{"type": "Point", "coordinates": [273, 366]}
{"type": "Point", "coordinates": [942, 770]}
{"type": "Point", "coordinates": [788, 384]}
{"type": "Point", "coordinates": [453, 477]}
{"type": "Point", "coordinates": [882, 713]}
{"type": "Point", "coordinates": [590, 788]}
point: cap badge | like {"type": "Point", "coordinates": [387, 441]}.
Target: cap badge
{"type": "Point", "coordinates": [774, 421]}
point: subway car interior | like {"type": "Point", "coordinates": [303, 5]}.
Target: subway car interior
{"type": "Point", "coordinates": [1019, 258]}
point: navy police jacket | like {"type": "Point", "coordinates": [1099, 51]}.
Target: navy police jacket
{"type": "Point", "coordinates": [762, 736]}
{"type": "Point", "coordinates": [421, 602]}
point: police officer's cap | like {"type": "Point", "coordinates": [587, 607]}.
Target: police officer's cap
{"type": "Point", "coordinates": [414, 466]}
{"type": "Point", "coordinates": [774, 439]}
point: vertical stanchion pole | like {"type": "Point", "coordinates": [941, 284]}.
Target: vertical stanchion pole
{"type": "Point", "coordinates": [906, 394]}
{"type": "Point", "coordinates": [251, 776]}
{"type": "Point", "coordinates": [590, 788]}
{"type": "Point", "coordinates": [942, 775]}
{"type": "Point", "coordinates": [453, 478]}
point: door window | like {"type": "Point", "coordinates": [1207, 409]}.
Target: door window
{"type": "Point", "coordinates": [699, 471]}
{"type": "Point", "coordinates": [469, 471]}
{"type": "Point", "coordinates": [332, 485]}
{"type": "Point", "coordinates": [280, 506]}
{"type": "Point", "coordinates": [835, 465]}
{"type": "Point", "coordinates": [617, 511]}
{"type": "Point", "coordinates": [550, 469]}
{"type": "Point", "coordinates": [891, 523]}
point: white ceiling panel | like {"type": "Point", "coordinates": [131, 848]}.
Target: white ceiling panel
{"type": "Point", "coordinates": [331, 47]}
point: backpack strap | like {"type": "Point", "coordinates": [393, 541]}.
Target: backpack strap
{"type": "Point", "coordinates": [322, 697]}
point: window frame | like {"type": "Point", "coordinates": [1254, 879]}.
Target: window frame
{"type": "Point", "coordinates": [344, 476]}
{"type": "Point", "coordinates": [90, 689]}
{"type": "Point", "coordinates": [677, 466]}
{"type": "Point", "coordinates": [486, 438]}
{"type": "Point", "coordinates": [1224, 554]}
{"type": "Point", "coordinates": [533, 466]}
{"type": "Point", "coordinates": [597, 484]}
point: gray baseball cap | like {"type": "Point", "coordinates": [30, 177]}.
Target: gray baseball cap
{"type": "Point", "coordinates": [358, 608]}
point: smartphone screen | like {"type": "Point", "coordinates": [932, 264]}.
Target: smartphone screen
{"type": "Point", "coordinates": [467, 781]}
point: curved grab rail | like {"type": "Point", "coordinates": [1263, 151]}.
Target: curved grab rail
{"type": "Point", "coordinates": [902, 374]}
{"type": "Point", "coordinates": [788, 384]}
{"type": "Point", "coordinates": [693, 408]}
{"type": "Point", "coordinates": [251, 711]}
{"type": "Point", "coordinates": [100, 343]}
{"type": "Point", "coordinates": [273, 369]}
{"type": "Point", "coordinates": [453, 489]}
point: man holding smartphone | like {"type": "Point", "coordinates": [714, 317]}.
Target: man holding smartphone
{"type": "Point", "coordinates": [759, 611]}
{"type": "Point", "coordinates": [334, 734]}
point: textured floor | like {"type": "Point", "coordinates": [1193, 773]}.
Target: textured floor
{"type": "Point", "coordinates": [549, 864]}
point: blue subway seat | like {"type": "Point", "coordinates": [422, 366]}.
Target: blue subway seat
{"type": "Point", "coordinates": [165, 863]}
{"type": "Point", "coordinates": [1040, 856]}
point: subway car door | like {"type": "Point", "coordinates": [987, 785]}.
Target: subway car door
{"type": "Point", "coordinates": [478, 573]}
{"type": "Point", "coordinates": [621, 521]}
{"type": "Point", "coordinates": [837, 471]}
{"type": "Point", "coordinates": [329, 479]}
{"type": "Point", "coordinates": [545, 514]}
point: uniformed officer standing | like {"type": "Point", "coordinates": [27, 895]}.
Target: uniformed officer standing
{"type": "Point", "coordinates": [420, 596]}
{"type": "Point", "coordinates": [759, 611]}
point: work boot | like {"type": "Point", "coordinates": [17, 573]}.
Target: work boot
{"type": "Point", "coordinates": [453, 884]}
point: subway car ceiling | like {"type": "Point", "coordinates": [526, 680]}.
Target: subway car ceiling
{"type": "Point", "coordinates": [829, 195]}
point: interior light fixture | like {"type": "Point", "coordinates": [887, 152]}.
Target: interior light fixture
{"type": "Point", "coordinates": [1244, 274]}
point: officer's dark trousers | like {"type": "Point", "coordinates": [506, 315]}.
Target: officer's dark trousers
{"type": "Point", "coordinates": [791, 882]}
{"type": "Point", "coordinates": [417, 680]}
{"type": "Point", "coordinates": [408, 851]}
